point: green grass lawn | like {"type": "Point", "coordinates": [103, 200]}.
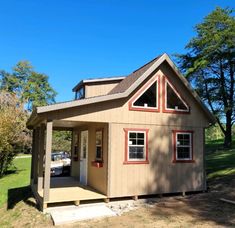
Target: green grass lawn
{"type": "Point", "coordinates": [18, 177]}
{"type": "Point", "coordinates": [219, 162]}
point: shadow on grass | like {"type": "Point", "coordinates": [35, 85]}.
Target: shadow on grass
{"type": "Point", "coordinates": [12, 171]}
{"type": "Point", "coordinates": [17, 195]}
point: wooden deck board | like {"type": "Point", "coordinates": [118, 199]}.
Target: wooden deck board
{"type": "Point", "coordinates": [65, 189]}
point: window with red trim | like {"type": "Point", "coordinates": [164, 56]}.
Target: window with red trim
{"type": "Point", "coordinates": [136, 146]}
{"type": "Point", "coordinates": [173, 102]}
{"type": "Point", "coordinates": [183, 146]}
{"type": "Point", "coordinates": [146, 99]}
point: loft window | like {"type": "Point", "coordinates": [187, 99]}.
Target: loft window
{"type": "Point", "coordinates": [80, 94]}
{"type": "Point", "coordinates": [173, 100]}
{"type": "Point", "coordinates": [99, 145]}
{"type": "Point", "coordinates": [183, 149]}
{"type": "Point", "coordinates": [136, 146]}
{"type": "Point", "coordinates": [147, 98]}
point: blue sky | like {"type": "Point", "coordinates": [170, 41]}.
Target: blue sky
{"type": "Point", "coordinates": [72, 40]}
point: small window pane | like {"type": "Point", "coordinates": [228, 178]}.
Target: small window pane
{"type": "Point", "coordinates": [99, 152]}
{"type": "Point", "coordinates": [183, 153]}
{"type": "Point", "coordinates": [98, 137]}
{"type": "Point", "coordinates": [140, 135]}
{"type": "Point", "coordinates": [140, 142]}
{"type": "Point", "coordinates": [140, 155]}
{"type": "Point", "coordinates": [132, 142]}
{"type": "Point", "coordinates": [132, 135]}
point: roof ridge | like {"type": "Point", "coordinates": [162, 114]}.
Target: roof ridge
{"type": "Point", "coordinates": [147, 63]}
{"type": "Point", "coordinates": [131, 78]}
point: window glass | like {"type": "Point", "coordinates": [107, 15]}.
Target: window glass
{"type": "Point", "coordinates": [136, 145]}
{"type": "Point", "coordinates": [99, 145]}
{"type": "Point", "coordinates": [80, 94]}
{"type": "Point", "coordinates": [148, 98]}
{"type": "Point", "coordinates": [183, 146]}
{"type": "Point", "coordinates": [173, 100]}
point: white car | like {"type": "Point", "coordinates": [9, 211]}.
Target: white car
{"type": "Point", "coordinates": [60, 163]}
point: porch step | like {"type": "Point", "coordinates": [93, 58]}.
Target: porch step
{"type": "Point", "coordinates": [71, 214]}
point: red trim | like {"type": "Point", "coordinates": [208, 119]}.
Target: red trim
{"type": "Point", "coordinates": [128, 162]}
{"type": "Point", "coordinates": [97, 164]}
{"type": "Point", "coordinates": [164, 109]}
{"type": "Point", "coordinates": [140, 92]}
{"type": "Point", "coordinates": [174, 146]}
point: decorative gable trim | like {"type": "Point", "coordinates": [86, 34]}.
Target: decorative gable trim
{"type": "Point", "coordinates": [141, 91]}
{"type": "Point", "coordinates": [166, 81]}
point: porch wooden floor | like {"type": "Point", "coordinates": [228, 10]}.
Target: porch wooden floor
{"type": "Point", "coordinates": [65, 189]}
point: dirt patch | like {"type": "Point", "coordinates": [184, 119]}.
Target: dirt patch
{"type": "Point", "coordinates": [201, 210]}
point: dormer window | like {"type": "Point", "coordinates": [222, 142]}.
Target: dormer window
{"type": "Point", "coordinates": [147, 98]}
{"type": "Point", "coordinates": [173, 102]}
{"type": "Point", "coordinates": [80, 94]}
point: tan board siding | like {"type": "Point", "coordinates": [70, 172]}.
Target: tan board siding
{"type": "Point", "coordinates": [160, 175]}
{"type": "Point", "coordinates": [118, 111]}
{"type": "Point", "coordinates": [93, 90]}
{"type": "Point", "coordinates": [97, 177]}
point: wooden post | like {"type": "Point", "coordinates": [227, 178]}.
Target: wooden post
{"type": "Point", "coordinates": [41, 155]}
{"type": "Point", "coordinates": [47, 175]}
{"type": "Point", "coordinates": [106, 200]}
{"type": "Point", "coordinates": [77, 202]}
{"type": "Point", "coordinates": [135, 198]}
{"type": "Point", "coordinates": [204, 160]}
{"type": "Point", "coordinates": [36, 151]}
{"type": "Point", "coordinates": [33, 158]}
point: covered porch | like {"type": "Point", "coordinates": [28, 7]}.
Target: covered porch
{"type": "Point", "coordinates": [79, 186]}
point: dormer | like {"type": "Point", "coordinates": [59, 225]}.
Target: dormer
{"type": "Point", "coordinates": [95, 87]}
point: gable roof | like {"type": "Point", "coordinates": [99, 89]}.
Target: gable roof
{"type": "Point", "coordinates": [124, 89]}
{"type": "Point", "coordinates": [97, 80]}
{"type": "Point", "coordinates": [131, 78]}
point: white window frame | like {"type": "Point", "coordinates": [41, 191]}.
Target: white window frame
{"type": "Point", "coordinates": [142, 92]}
{"type": "Point", "coordinates": [128, 153]}
{"type": "Point", "coordinates": [174, 109]}
{"type": "Point", "coordinates": [190, 146]}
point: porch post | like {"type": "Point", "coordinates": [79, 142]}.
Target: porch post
{"type": "Point", "coordinates": [41, 155]}
{"type": "Point", "coordinates": [47, 174]}
{"type": "Point", "coordinates": [35, 175]}
{"type": "Point", "coordinates": [33, 158]}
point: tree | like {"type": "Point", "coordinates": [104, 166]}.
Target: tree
{"type": "Point", "coordinates": [210, 65]}
{"type": "Point", "coordinates": [12, 124]}
{"type": "Point", "coordinates": [62, 141]}
{"type": "Point", "coordinates": [32, 88]}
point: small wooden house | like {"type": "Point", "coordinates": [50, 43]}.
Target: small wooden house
{"type": "Point", "coordinates": [136, 135]}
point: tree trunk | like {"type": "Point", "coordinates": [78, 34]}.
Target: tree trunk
{"type": "Point", "coordinates": [228, 132]}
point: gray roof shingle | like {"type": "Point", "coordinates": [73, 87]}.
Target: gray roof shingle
{"type": "Point", "coordinates": [131, 78]}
